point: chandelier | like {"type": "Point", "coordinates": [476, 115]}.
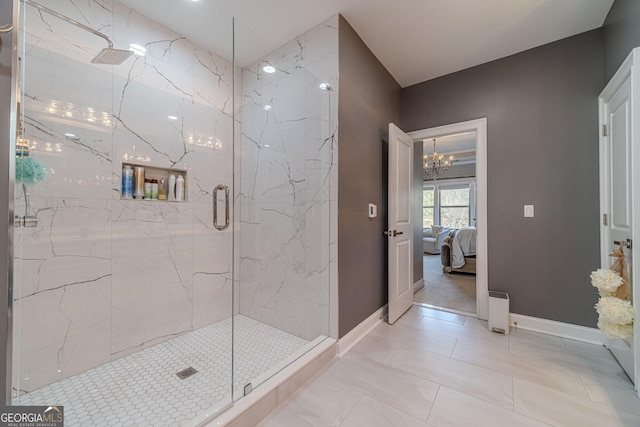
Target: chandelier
{"type": "Point", "coordinates": [436, 165]}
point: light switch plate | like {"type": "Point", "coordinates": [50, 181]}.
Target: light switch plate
{"type": "Point", "coordinates": [373, 210]}
{"type": "Point", "coordinates": [528, 211]}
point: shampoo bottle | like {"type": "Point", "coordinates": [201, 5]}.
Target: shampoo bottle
{"type": "Point", "coordinates": [180, 188]}
{"type": "Point", "coordinates": [162, 190]}
{"type": "Point", "coordinates": [138, 192]}
{"type": "Point", "coordinates": [171, 191]}
{"type": "Point", "coordinates": [154, 189]}
{"type": "Point", "coordinates": [127, 182]}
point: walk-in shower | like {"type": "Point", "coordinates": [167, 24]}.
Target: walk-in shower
{"type": "Point", "coordinates": [125, 308]}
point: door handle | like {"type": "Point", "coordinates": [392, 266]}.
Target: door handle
{"type": "Point", "coordinates": [392, 233]}
{"type": "Point", "coordinates": [226, 207]}
{"type": "Point", "coordinates": [623, 243]}
{"type": "Point", "coordinates": [397, 233]}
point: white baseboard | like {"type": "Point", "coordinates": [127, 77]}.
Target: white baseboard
{"type": "Point", "coordinates": [418, 285]}
{"type": "Point", "coordinates": [356, 334]}
{"type": "Point", "coordinates": [559, 329]}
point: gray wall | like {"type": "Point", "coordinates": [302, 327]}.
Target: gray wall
{"type": "Point", "coordinates": [621, 34]}
{"type": "Point", "coordinates": [542, 112]}
{"type": "Point", "coordinates": [369, 100]}
{"type": "Point", "coordinates": [6, 195]}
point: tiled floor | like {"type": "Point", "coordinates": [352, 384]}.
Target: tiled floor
{"type": "Point", "coordinates": [434, 368]}
{"type": "Point", "coordinates": [142, 389]}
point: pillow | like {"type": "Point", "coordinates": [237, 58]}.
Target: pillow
{"type": "Point", "coordinates": [435, 230]}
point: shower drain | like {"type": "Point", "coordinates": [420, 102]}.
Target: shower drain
{"type": "Point", "coordinates": [186, 373]}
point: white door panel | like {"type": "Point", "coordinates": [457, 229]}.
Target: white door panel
{"type": "Point", "coordinates": [403, 277]}
{"type": "Point", "coordinates": [400, 227]}
{"type": "Point", "coordinates": [620, 159]}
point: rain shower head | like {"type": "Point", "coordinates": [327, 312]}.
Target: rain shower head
{"type": "Point", "coordinates": [112, 56]}
{"type": "Point", "coordinates": [108, 55]}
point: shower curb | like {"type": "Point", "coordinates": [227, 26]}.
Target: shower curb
{"type": "Point", "coordinates": [251, 409]}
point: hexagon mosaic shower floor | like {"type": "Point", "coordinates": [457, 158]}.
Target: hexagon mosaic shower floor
{"type": "Point", "coordinates": [143, 388]}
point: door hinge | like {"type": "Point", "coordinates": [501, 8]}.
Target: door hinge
{"type": "Point", "coordinates": [605, 219]}
{"type": "Point", "coordinates": [604, 130]}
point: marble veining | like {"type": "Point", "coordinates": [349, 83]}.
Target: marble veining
{"type": "Point", "coordinates": [288, 143]}
{"type": "Point", "coordinates": [103, 279]}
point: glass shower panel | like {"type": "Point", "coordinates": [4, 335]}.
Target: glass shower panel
{"type": "Point", "coordinates": [283, 200]}
{"type": "Point", "coordinates": [123, 307]}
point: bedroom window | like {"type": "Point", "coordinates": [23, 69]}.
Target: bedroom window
{"type": "Point", "coordinates": [449, 203]}
{"type": "Point", "coordinates": [454, 207]}
{"type": "Point", "coordinates": [428, 206]}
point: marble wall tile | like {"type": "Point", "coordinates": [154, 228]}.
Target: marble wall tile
{"type": "Point", "coordinates": [146, 135]}
{"type": "Point", "coordinates": [152, 272]}
{"type": "Point", "coordinates": [60, 125]}
{"type": "Point", "coordinates": [209, 67]}
{"type": "Point", "coordinates": [70, 245]}
{"type": "Point", "coordinates": [58, 341]}
{"type": "Point", "coordinates": [212, 270]}
{"type": "Point", "coordinates": [62, 298]}
{"type": "Point", "coordinates": [285, 196]}
{"type": "Point", "coordinates": [211, 298]}
{"type": "Point", "coordinates": [286, 59]}
{"type": "Point", "coordinates": [212, 147]}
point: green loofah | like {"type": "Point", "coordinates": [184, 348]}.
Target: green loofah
{"type": "Point", "coordinates": [29, 171]}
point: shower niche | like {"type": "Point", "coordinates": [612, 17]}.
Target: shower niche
{"type": "Point", "coordinates": [153, 183]}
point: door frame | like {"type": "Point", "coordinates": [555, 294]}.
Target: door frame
{"type": "Point", "coordinates": [630, 69]}
{"type": "Point", "coordinates": [482, 262]}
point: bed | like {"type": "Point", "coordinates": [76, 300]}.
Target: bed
{"type": "Point", "coordinates": [458, 252]}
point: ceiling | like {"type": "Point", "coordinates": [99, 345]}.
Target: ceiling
{"type": "Point", "coordinates": [416, 40]}
{"type": "Point", "coordinates": [459, 142]}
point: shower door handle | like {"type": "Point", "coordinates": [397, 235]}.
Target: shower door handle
{"type": "Point", "coordinates": [6, 28]}
{"type": "Point", "coordinates": [226, 208]}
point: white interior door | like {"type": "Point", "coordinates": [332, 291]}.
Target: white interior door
{"type": "Point", "coordinates": [400, 227]}
{"type": "Point", "coordinates": [617, 195]}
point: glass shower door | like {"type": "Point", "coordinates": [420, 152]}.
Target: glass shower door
{"type": "Point", "coordinates": [122, 304]}
{"type": "Point", "coordinates": [283, 203]}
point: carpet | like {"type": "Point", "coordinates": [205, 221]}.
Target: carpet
{"type": "Point", "coordinates": [456, 290]}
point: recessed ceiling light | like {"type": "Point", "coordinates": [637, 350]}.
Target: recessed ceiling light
{"type": "Point", "coordinates": [324, 86]}
{"type": "Point", "coordinates": [137, 49]}
{"type": "Point", "coordinates": [269, 69]}
{"type": "Point", "coordinates": [70, 135]}
{"type": "Point", "coordinates": [172, 117]}
{"type": "Point", "coordinates": [267, 145]}
{"type": "Point", "coordinates": [267, 107]}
